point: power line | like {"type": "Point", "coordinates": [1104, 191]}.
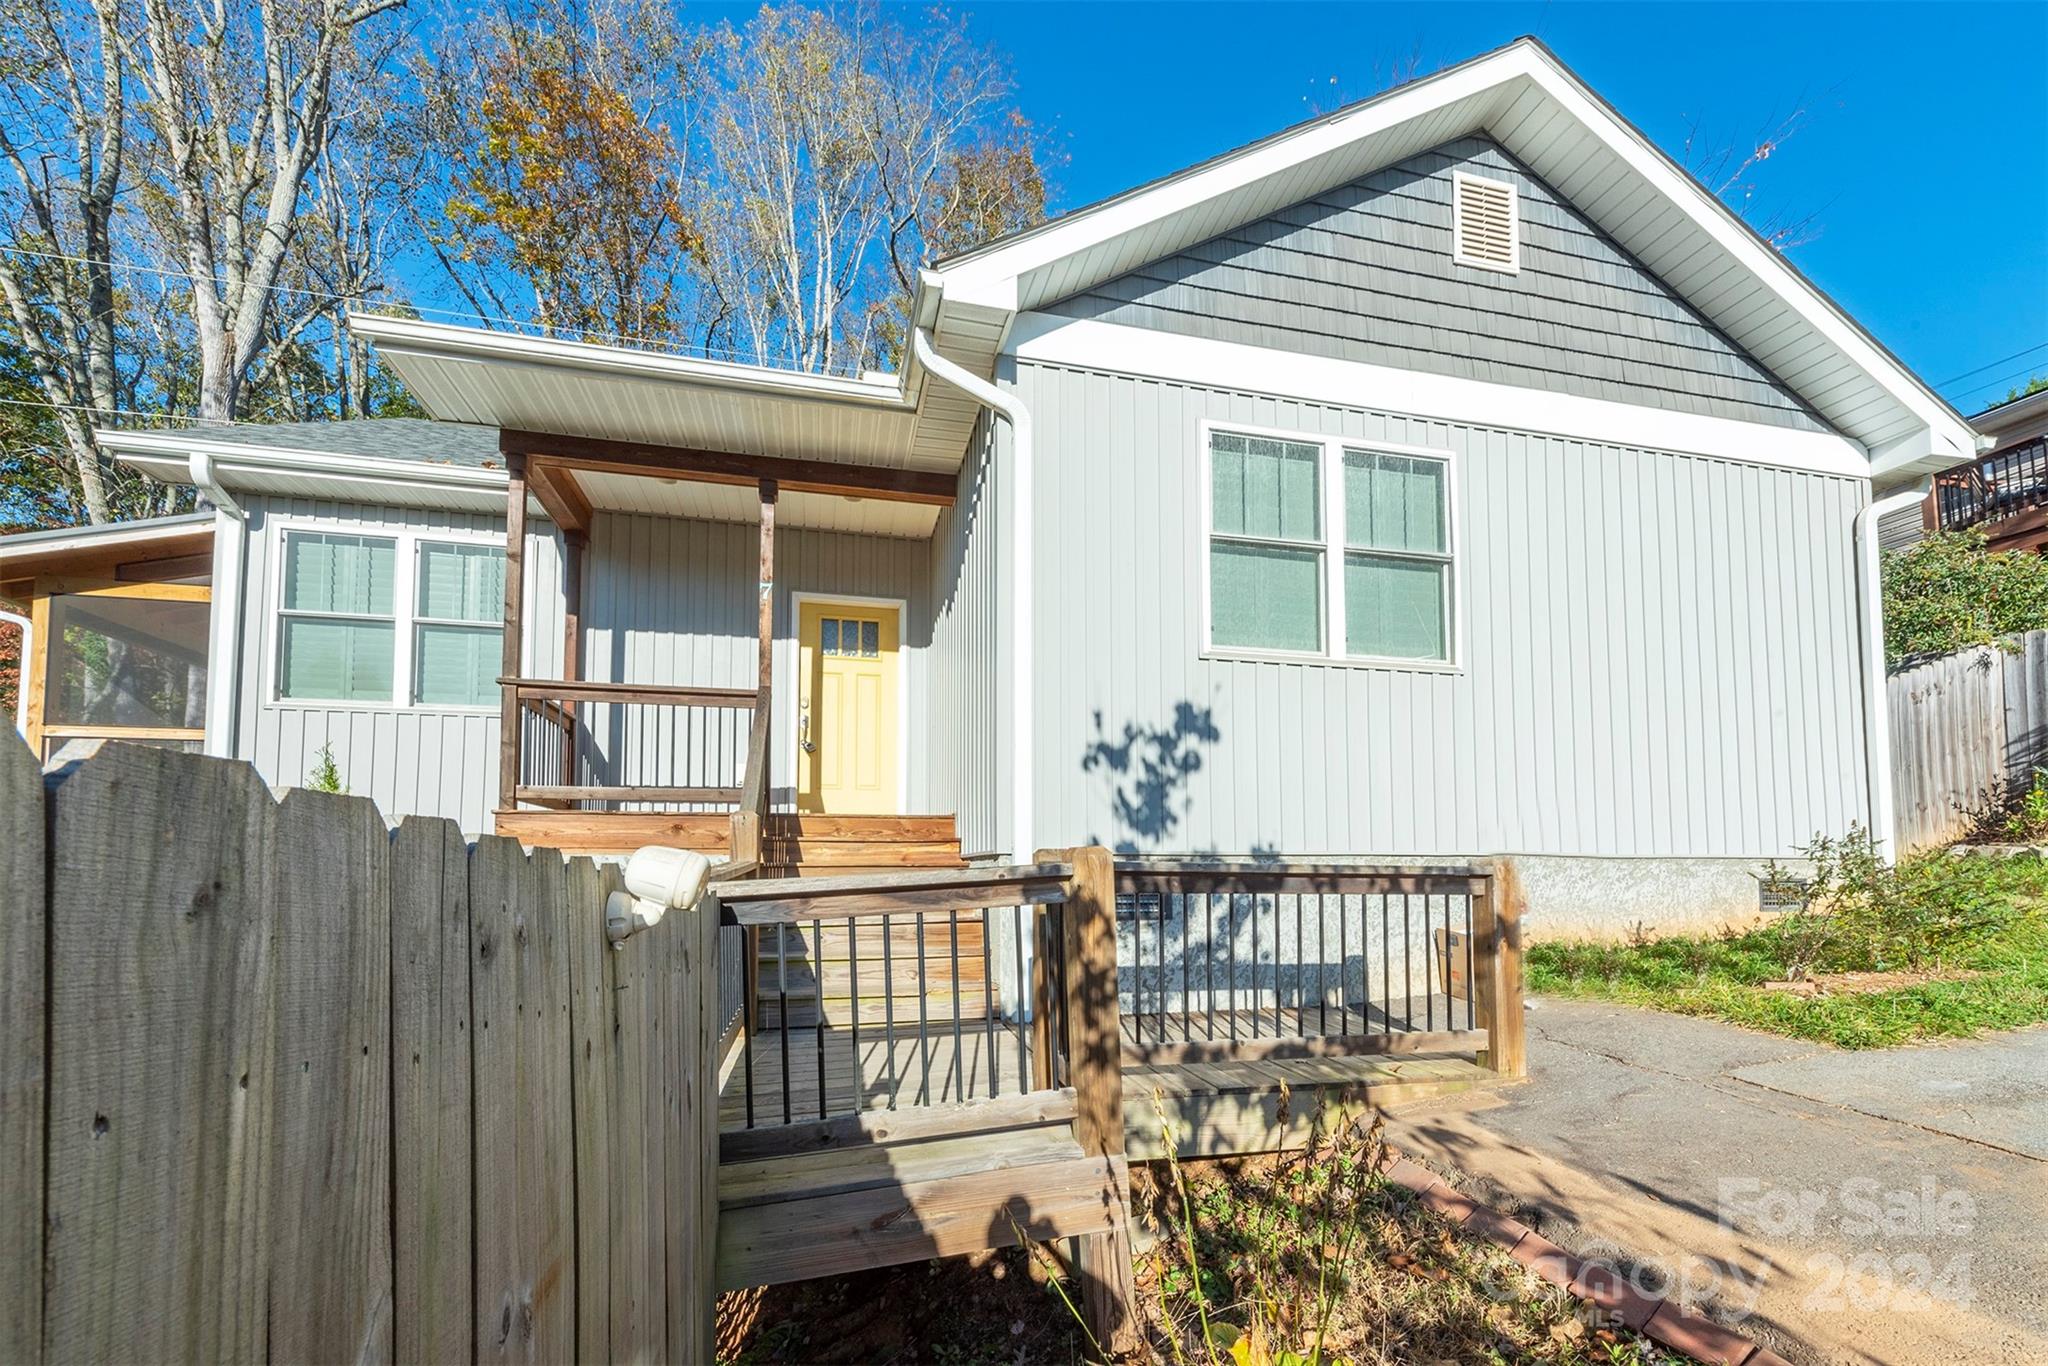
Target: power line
{"type": "Point", "coordinates": [575, 333]}
{"type": "Point", "coordinates": [2042, 346]}
{"type": "Point", "coordinates": [121, 412]}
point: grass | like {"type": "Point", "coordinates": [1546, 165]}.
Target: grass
{"type": "Point", "coordinates": [1722, 978]}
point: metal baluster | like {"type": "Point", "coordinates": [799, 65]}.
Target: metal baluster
{"type": "Point", "coordinates": [1209, 960]}
{"type": "Point", "coordinates": [1185, 995]}
{"type": "Point", "coordinates": [1386, 973]}
{"type": "Point", "coordinates": [1428, 981]}
{"type": "Point", "coordinates": [1323, 963]}
{"type": "Point", "coordinates": [1299, 1026]}
{"type": "Point", "coordinates": [749, 1009]}
{"type": "Point", "coordinates": [1255, 963]}
{"type": "Point", "coordinates": [988, 1004]}
{"type": "Point", "coordinates": [782, 1009]}
{"type": "Point", "coordinates": [1159, 962]}
{"type": "Point", "coordinates": [924, 1043]}
{"type": "Point", "coordinates": [1019, 917]}
{"type": "Point", "coordinates": [889, 1006]}
{"type": "Point", "coordinates": [1344, 967]}
{"type": "Point", "coordinates": [1407, 969]}
{"type": "Point", "coordinates": [959, 1052]}
{"type": "Point", "coordinates": [853, 966]}
{"type": "Point", "coordinates": [1230, 915]}
{"type": "Point", "coordinates": [1471, 987]}
{"type": "Point", "coordinates": [818, 994]}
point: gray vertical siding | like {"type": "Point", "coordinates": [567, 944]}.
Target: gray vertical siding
{"type": "Point", "coordinates": [1365, 272]}
{"type": "Point", "coordinates": [673, 601]}
{"type": "Point", "coordinates": [970, 684]}
{"type": "Point", "coordinates": [411, 760]}
{"type": "Point", "coordinates": [1660, 652]}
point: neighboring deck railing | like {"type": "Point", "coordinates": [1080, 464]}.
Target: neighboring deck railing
{"type": "Point", "coordinates": [575, 739]}
{"type": "Point", "coordinates": [1993, 487]}
{"type": "Point", "coordinates": [1239, 961]}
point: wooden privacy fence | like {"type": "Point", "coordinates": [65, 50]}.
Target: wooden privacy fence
{"type": "Point", "coordinates": [1967, 731]}
{"type": "Point", "coordinates": [278, 1082]}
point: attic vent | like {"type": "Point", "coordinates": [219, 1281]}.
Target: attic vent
{"type": "Point", "coordinates": [1483, 227]}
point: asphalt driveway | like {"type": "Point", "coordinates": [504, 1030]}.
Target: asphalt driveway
{"type": "Point", "coordinates": [1862, 1207]}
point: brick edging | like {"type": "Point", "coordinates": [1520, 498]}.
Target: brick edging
{"type": "Point", "coordinates": [1663, 1321]}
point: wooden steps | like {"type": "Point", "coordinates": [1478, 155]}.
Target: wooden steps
{"type": "Point", "coordinates": [849, 1208]}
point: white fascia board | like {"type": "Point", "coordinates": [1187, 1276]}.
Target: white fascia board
{"type": "Point", "coordinates": [1236, 367]}
{"type": "Point", "coordinates": [447, 341]}
{"type": "Point", "coordinates": [992, 280]}
{"type": "Point", "coordinates": [166, 456]}
{"type": "Point", "coordinates": [1765, 265]}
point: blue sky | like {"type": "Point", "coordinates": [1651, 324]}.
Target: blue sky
{"type": "Point", "coordinates": [1923, 150]}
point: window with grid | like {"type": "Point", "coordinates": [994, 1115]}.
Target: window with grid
{"type": "Point", "coordinates": [1265, 543]}
{"type": "Point", "coordinates": [1397, 560]}
{"type": "Point", "coordinates": [458, 637]}
{"type": "Point", "coordinates": [1326, 548]}
{"type": "Point", "coordinates": [339, 632]}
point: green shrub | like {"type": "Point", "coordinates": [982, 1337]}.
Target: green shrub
{"type": "Point", "coordinates": [1865, 915]}
{"type": "Point", "coordinates": [1948, 593]}
{"type": "Point", "coordinates": [2028, 822]}
{"type": "Point", "coordinates": [326, 775]}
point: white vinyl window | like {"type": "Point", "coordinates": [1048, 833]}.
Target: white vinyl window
{"type": "Point", "coordinates": [458, 642]}
{"type": "Point", "coordinates": [1329, 548]}
{"type": "Point", "coordinates": [337, 640]}
{"type": "Point", "coordinates": [393, 619]}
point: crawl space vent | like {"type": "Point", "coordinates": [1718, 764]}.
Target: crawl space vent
{"type": "Point", "coordinates": [1483, 223]}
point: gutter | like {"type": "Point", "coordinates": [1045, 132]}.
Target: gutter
{"type": "Point", "coordinates": [224, 619]}
{"type": "Point", "coordinates": [1018, 497]}
{"type": "Point", "coordinates": [1877, 721]}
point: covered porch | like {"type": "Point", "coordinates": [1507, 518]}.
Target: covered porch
{"type": "Point", "coordinates": [698, 701]}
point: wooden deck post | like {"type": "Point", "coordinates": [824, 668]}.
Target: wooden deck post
{"type": "Point", "coordinates": [1497, 926]}
{"type": "Point", "coordinates": [1095, 1065]}
{"type": "Point", "coordinates": [515, 598]}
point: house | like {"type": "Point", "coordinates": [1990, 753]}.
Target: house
{"type": "Point", "coordinates": [2004, 491]}
{"type": "Point", "coordinates": [1446, 475]}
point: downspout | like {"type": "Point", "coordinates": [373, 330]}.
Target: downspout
{"type": "Point", "coordinates": [1877, 720]}
{"type": "Point", "coordinates": [224, 623]}
{"type": "Point", "coordinates": [28, 645]}
{"type": "Point", "coordinates": [1018, 496]}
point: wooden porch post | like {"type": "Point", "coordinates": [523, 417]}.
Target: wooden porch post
{"type": "Point", "coordinates": [769, 492]}
{"type": "Point", "coordinates": [573, 545]}
{"type": "Point", "coordinates": [1497, 930]}
{"type": "Point", "coordinates": [515, 598]}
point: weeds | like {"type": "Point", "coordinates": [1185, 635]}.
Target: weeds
{"type": "Point", "coordinates": [326, 774]}
{"type": "Point", "coordinates": [1969, 936]}
{"type": "Point", "coordinates": [2028, 823]}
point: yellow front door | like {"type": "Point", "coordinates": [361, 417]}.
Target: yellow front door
{"type": "Point", "coordinates": [846, 708]}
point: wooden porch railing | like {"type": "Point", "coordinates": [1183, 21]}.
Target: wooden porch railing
{"type": "Point", "coordinates": [924, 1053]}
{"type": "Point", "coordinates": [1271, 960]}
{"type": "Point", "coordinates": [557, 763]}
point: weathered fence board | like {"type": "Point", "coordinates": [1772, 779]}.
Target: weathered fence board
{"type": "Point", "coordinates": [21, 1051]}
{"type": "Point", "coordinates": [318, 1091]}
{"type": "Point", "coordinates": [1966, 729]}
{"type": "Point", "coordinates": [430, 1092]}
{"type": "Point", "coordinates": [161, 915]}
{"type": "Point", "coordinates": [330, 1250]}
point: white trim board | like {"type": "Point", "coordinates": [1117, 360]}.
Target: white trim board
{"type": "Point", "coordinates": [1234, 366]}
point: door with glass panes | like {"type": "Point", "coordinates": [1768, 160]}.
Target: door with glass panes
{"type": "Point", "coordinates": [848, 677]}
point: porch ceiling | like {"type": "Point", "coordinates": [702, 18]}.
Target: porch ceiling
{"type": "Point", "coordinates": [740, 503]}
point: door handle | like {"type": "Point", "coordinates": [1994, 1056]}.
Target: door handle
{"type": "Point", "coordinates": [804, 729]}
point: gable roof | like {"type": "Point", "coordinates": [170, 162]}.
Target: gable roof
{"type": "Point", "coordinates": [1529, 102]}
